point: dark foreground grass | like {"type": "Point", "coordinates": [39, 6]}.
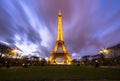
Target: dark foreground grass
{"type": "Point", "coordinates": [59, 73]}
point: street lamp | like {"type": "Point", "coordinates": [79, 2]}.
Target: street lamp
{"type": "Point", "coordinates": [103, 53]}
{"type": "Point", "coordinates": [15, 53]}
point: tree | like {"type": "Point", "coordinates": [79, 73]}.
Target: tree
{"type": "Point", "coordinates": [4, 50]}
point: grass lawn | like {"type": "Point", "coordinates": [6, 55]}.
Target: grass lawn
{"type": "Point", "coordinates": [59, 73]}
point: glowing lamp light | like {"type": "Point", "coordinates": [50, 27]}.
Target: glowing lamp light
{"type": "Point", "coordinates": [40, 59]}
{"type": "Point", "coordinates": [69, 63]}
{"type": "Point", "coordinates": [96, 60]}
{"type": "Point", "coordinates": [105, 51]}
{"type": "Point", "coordinates": [14, 51]}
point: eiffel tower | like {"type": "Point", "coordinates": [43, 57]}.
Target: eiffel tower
{"type": "Point", "coordinates": [60, 54]}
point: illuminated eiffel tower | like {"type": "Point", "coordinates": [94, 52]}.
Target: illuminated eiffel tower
{"type": "Point", "coordinates": [60, 54]}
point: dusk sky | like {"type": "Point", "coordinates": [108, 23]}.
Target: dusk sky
{"type": "Point", "coordinates": [88, 25]}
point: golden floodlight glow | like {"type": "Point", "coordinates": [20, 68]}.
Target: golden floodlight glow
{"type": "Point", "coordinates": [60, 44]}
{"type": "Point", "coordinates": [14, 51]}
{"type": "Point", "coordinates": [105, 51]}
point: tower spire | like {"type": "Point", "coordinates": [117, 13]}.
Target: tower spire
{"type": "Point", "coordinates": [60, 36]}
{"type": "Point", "coordinates": [60, 13]}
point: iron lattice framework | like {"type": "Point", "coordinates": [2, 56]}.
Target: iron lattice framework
{"type": "Point", "coordinates": [57, 53]}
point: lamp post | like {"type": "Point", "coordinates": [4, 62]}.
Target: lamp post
{"type": "Point", "coordinates": [15, 53]}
